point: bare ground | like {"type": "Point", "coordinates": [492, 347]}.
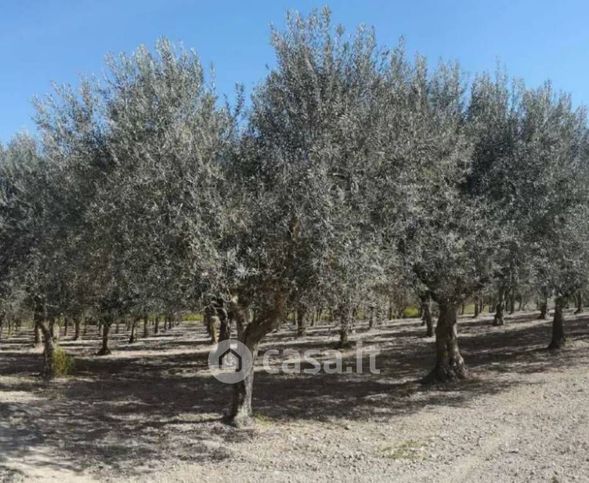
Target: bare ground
{"type": "Point", "coordinates": [151, 411]}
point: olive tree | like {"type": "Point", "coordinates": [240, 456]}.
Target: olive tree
{"type": "Point", "coordinates": [38, 220]}
{"type": "Point", "coordinates": [303, 166]}
{"type": "Point", "coordinates": [553, 180]}
{"type": "Point", "coordinates": [146, 145]}
{"type": "Point", "coordinates": [435, 228]}
{"type": "Point", "coordinates": [494, 127]}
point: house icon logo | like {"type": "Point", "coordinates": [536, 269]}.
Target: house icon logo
{"type": "Point", "coordinates": [230, 361]}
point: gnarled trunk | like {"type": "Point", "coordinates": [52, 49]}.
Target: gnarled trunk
{"type": "Point", "coordinates": [37, 334]}
{"type": "Point", "coordinates": [212, 324]}
{"type": "Point", "coordinates": [499, 318]}
{"type": "Point", "coordinates": [449, 362]}
{"type": "Point", "coordinates": [48, 355]}
{"type": "Point", "coordinates": [145, 326]}
{"type": "Point", "coordinates": [543, 309]}
{"type": "Point", "coordinates": [48, 371]}
{"type": "Point", "coordinates": [512, 301]}
{"type": "Point", "coordinates": [133, 327]}
{"type": "Point", "coordinates": [426, 315]}
{"type": "Point", "coordinates": [54, 329]}
{"type": "Point", "coordinates": [225, 329]}
{"type": "Point", "coordinates": [301, 321]}
{"type": "Point", "coordinates": [241, 411]}
{"type": "Point", "coordinates": [104, 350]}
{"type": "Point", "coordinates": [558, 338]}
{"type": "Point", "coordinates": [345, 314]}
{"type": "Point", "coordinates": [477, 306]}
{"type": "Point", "coordinates": [76, 328]}
{"type": "Point", "coordinates": [371, 316]}
{"type": "Point", "coordinates": [250, 334]}
{"type": "Point", "coordinates": [579, 302]}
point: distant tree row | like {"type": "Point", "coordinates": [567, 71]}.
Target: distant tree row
{"type": "Point", "coordinates": [354, 174]}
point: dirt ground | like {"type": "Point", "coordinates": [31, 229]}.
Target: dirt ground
{"type": "Point", "coordinates": [151, 411]}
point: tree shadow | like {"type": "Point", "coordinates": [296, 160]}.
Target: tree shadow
{"type": "Point", "coordinates": [128, 412]}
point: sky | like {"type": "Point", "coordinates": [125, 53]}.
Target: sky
{"type": "Point", "coordinates": [46, 41]}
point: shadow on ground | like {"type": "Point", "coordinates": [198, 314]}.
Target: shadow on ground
{"type": "Point", "coordinates": [126, 412]}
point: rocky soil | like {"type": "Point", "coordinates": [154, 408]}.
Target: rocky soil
{"type": "Point", "coordinates": [151, 411]}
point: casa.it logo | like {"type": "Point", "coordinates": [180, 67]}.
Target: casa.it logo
{"type": "Point", "coordinates": [230, 361]}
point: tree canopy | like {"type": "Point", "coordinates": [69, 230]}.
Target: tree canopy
{"type": "Point", "coordinates": [353, 172]}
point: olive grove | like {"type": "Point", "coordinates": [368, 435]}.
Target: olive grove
{"type": "Point", "coordinates": [354, 176]}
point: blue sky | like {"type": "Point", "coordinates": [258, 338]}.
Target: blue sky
{"type": "Point", "coordinates": [49, 40]}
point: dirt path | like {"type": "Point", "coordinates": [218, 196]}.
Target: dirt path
{"type": "Point", "coordinates": [150, 412]}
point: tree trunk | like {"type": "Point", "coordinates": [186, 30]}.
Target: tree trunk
{"type": "Point", "coordinates": [76, 328]}
{"type": "Point", "coordinates": [371, 316]}
{"type": "Point", "coordinates": [156, 326]}
{"type": "Point", "coordinates": [241, 412]}
{"type": "Point", "coordinates": [512, 302]}
{"type": "Point", "coordinates": [48, 354]}
{"type": "Point", "coordinates": [224, 324]}
{"type": "Point", "coordinates": [133, 327]}
{"type": "Point", "coordinates": [66, 323]}
{"type": "Point", "coordinates": [250, 334]}
{"type": "Point", "coordinates": [212, 324]}
{"type": "Point", "coordinates": [477, 306]}
{"type": "Point", "coordinates": [543, 309]}
{"type": "Point", "coordinates": [558, 337]}
{"type": "Point", "coordinates": [145, 326]}
{"type": "Point", "coordinates": [449, 363]}
{"type": "Point", "coordinates": [54, 329]}
{"type": "Point", "coordinates": [345, 326]}
{"type": "Point", "coordinates": [48, 370]}
{"type": "Point", "coordinates": [499, 307]}
{"type": "Point", "coordinates": [104, 350]}
{"type": "Point", "coordinates": [301, 321]}
{"type": "Point", "coordinates": [579, 300]}
{"type": "Point", "coordinates": [319, 315]}
{"type": "Point", "coordinates": [225, 329]}
{"type": "Point", "coordinates": [37, 334]}
{"type": "Point", "coordinates": [426, 315]}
